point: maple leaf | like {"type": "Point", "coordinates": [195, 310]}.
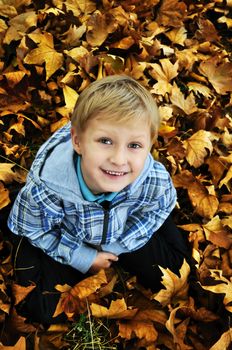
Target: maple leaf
{"type": "Point", "coordinates": [118, 309]}
{"type": "Point", "coordinates": [219, 74]}
{"type": "Point", "coordinates": [45, 52]}
{"type": "Point", "coordinates": [177, 35]}
{"type": "Point", "coordinates": [178, 332]}
{"type": "Point", "coordinates": [20, 345]}
{"type": "Point", "coordinates": [99, 26]}
{"type": "Point", "coordinates": [224, 341]}
{"type": "Point", "coordinates": [227, 180]}
{"type": "Point", "coordinates": [217, 234]}
{"type": "Point", "coordinates": [171, 13]}
{"type": "Point", "coordinates": [20, 292]}
{"type": "Point", "coordinates": [163, 74]}
{"type": "Point", "coordinates": [206, 204]}
{"type": "Point", "coordinates": [224, 286]}
{"type": "Point", "coordinates": [142, 330]}
{"type": "Point", "coordinates": [197, 146]}
{"type": "Point", "coordinates": [187, 105]}
{"type": "Point", "coordinates": [4, 196]}
{"type": "Point", "coordinates": [176, 288]}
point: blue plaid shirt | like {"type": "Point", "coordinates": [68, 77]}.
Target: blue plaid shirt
{"type": "Point", "coordinates": [52, 213]}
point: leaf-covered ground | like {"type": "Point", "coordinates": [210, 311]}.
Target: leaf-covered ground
{"type": "Point", "coordinates": [181, 51]}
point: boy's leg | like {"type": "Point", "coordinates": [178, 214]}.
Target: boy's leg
{"type": "Point", "coordinates": [165, 248]}
{"type": "Point", "coordinates": [32, 265]}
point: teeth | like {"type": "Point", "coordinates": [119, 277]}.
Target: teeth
{"type": "Point", "coordinates": [116, 173]}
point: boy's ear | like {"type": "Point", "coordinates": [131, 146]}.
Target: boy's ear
{"type": "Point", "coordinates": [75, 141]}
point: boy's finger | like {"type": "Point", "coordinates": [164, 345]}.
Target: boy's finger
{"type": "Point", "coordinates": [112, 257]}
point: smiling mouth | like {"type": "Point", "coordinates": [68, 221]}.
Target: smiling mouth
{"type": "Point", "coordinates": [115, 173]}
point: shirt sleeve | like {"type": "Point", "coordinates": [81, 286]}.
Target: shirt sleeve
{"type": "Point", "coordinates": [144, 221]}
{"type": "Point", "coordinates": [37, 215]}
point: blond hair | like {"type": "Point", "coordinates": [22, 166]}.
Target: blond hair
{"type": "Point", "coordinates": [117, 97]}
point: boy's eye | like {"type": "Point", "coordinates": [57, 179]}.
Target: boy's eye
{"type": "Point", "coordinates": [105, 141]}
{"type": "Point", "coordinates": [134, 145]}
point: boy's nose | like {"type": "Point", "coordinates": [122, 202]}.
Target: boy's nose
{"type": "Point", "coordinates": [118, 157]}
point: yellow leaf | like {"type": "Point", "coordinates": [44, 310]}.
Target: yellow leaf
{"type": "Point", "coordinates": [172, 13]}
{"type": "Point", "coordinates": [13, 78]}
{"type": "Point", "coordinates": [187, 105]}
{"type": "Point", "coordinates": [89, 285]}
{"type": "Point", "coordinates": [77, 53]}
{"type": "Point", "coordinates": [142, 330]}
{"type": "Point", "coordinates": [224, 341]}
{"type": "Point", "coordinates": [21, 292]}
{"type": "Point", "coordinates": [61, 122]}
{"type": "Point", "coordinates": [199, 89]}
{"type": "Point", "coordinates": [118, 309]}
{"type": "Point", "coordinates": [197, 146]}
{"type": "Point", "coordinates": [177, 35]}
{"type": "Point", "coordinates": [70, 97]}
{"type": "Point", "coordinates": [163, 74]}
{"type": "Point", "coordinates": [166, 130]}
{"type": "Point", "coordinates": [227, 180]}
{"type": "Point", "coordinates": [219, 74]}
{"type": "Point", "coordinates": [206, 204]}
{"type": "Point", "coordinates": [99, 26]}
{"type": "Point", "coordinates": [4, 196]}
{"type": "Point", "coordinates": [176, 288]}
{"type": "Point", "coordinates": [217, 234]}
{"type": "Point", "coordinates": [46, 53]}
{"type": "Point", "coordinates": [20, 345]}
{"type": "Point", "coordinates": [224, 286]}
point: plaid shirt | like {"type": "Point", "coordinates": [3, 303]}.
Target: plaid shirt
{"type": "Point", "coordinates": [52, 213]}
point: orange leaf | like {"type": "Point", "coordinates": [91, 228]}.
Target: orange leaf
{"type": "Point", "coordinates": [187, 105]}
{"type": "Point", "coordinates": [142, 330]}
{"type": "Point", "coordinates": [20, 345]}
{"type": "Point", "coordinates": [176, 288]}
{"type": "Point", "coordinates": [99, 26]}
{"type": "Point", "coordinates": [172, 13]}
{"type": "Point", "coordinates": [218, 74]}
{"type": "Point", "coordinates": [89, 285]}
{"type": "Point", "coordinates": [118, 309]}
{"type": "Point", "coordinates": [197, 146]}
{"type": "Point", "coordinates": [217, 234]}
{"type": "Point", "coordinates": [21, 292]}
{"type": "Point", "coordinates": [4, 196]}
{"type": "Point", "coordinates": [224, 341]}
{"type": "Point", "coordinates": [206, 204]}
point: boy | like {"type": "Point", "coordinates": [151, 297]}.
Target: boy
{"type": "Point", "coordinates": [95, 196]}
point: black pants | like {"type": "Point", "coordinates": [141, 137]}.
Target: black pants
{"type": "Point", "coordinates": [166, 248]}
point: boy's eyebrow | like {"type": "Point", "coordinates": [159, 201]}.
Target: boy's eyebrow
{"type": "Point", "coordinates": [136, 136]}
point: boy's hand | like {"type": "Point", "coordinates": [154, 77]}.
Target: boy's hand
{"type": "Point", "coordinates": [102, 261]}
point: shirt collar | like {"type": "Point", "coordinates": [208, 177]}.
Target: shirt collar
{"type": "Point", "coordinates": [87, 194]}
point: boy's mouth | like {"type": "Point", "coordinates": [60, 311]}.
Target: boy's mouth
{"type": "Point", "coordinates": [114, 173]}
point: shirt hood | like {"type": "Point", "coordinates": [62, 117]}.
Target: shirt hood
{"type": "Point", "coordinates": [54, 165]}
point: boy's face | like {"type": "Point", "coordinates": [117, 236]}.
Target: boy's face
{"type": "Point", "coordinates": [113, 154]}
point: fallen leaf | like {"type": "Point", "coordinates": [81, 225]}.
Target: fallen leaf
{"type": "Point", "coordinates": [20, 345]}
{"type": "Point", "coordinates": [187, 105]}
{"type": "Point", "coordinates": [20, 292]}
{"type": "Point", "coordinates": [172, 13]}
{"type": "Point", "coordinates": [4, 196]}
{"type": "Point", "coordinates": [99, 26]}
{"type": "Point", "coordinates": [176, 288]}
{"type": "Point", "coordinates": [198, 146]}
{"type": "Point", "coordinates": [218, 74]}
{"type": "Point", "coordinates": [224, 341]}
{"type": "Point", "coordinates": [141, 330]}
{"type": "Point", "coordinates": [118, 309]}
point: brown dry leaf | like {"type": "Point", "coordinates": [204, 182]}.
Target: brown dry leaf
{"type": "Point", "coordinates": [217, 234]}
{"type": "Point", "coordinates": [227, 221]}
{"type": "Point", "coordinates": [13, 78]}
{"type": "Point", "coordinates": [142, 330]}
{"type": "Point", "coordinates": [172, 13]}
{"type": "Point", "coordinates": [176, 288]}
{"type": "Point", "coordinates": [197, 147]}
{"type": "Point", "coordinates": [46, 53]}
{"type": "Point", "coordinates": [7, 175]}
{"type": "Point", "coordinates": [205, 203]}
{"type": "Point", "coordinates": [224, 341]}
{"type": "Point", "coordinates": [177, 35]}
{"type": "Point", "coordinates": [20, 292]}
{"type": "Point", "coordinates": [176, 148]}
{"type": "Point", "coordinates": [219, 74]}
{"type": "Point", "coordinates": [99, 26]}
{"type": "Point", "coordinates": [89, 285]}
{"type": "Point", "coordinates": [178, 332]}
{"type": "Point", "coordinates": [216, 168]}
{"type": "Point", "coordinates": [224, 286]}
{"type": "Point", "coordinates": [199, 89]}
{"type": "Point", "coordinates": [17, 323]}
{"type": "Point", "coordinates": [163, 74]}
{"type": "Point", "coordinates": [20, 345]}
{"type": "Point", "coordinates": [187, 105]}
{"type": "Point", "coordinates": [118, 309]}
{"type": "Point", "coordinates": [154, 315]}
{"type": "Point", "coordinates": [227, 180]}
{"type": "Point", "coordinates": [207, 31]}
{"type": "Point", "coordinates": [70, 97]}
{"type": "Point", "coordinates": [4, 196]}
